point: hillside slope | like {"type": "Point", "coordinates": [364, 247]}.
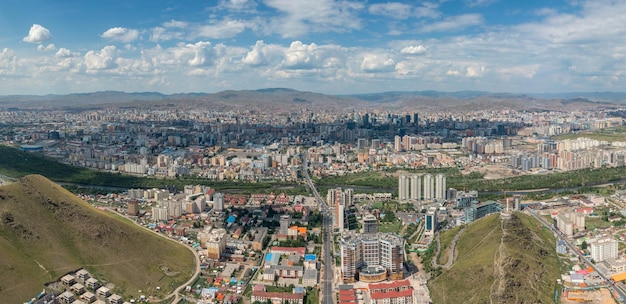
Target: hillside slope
{"type": "Point", "coordinates": [511, 261]}
{"type": "Point", "coordinates": [45, 232]}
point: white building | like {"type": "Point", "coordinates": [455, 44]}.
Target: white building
{"type": "Point", "coordinates": [603, 249]}
{"type": "Point", "coordinates": [416, 187]}
{"type": "Point", "coordinates": [429, 187]}
{"type": "Point", "coordinates": [440, 184]}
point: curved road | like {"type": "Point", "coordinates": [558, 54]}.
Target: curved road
{"type": "Point", "coordinates": [176, 292]}
{"type": "Point", "coordinates": [451, 250]}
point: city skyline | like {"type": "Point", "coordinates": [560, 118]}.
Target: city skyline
{"type": "Point", "coordinates": [336, 47]}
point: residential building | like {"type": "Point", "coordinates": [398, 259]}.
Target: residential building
{"type": "Point", "coordinates": [397, 292]}
{"type": "Point", "coordinates": [218, 201]}
{"type": "Point", "coordinates": [429, 187]}
{"type": "Point", "coordinates": [368, 250]}
{"type": "Point", "coordinates": [603, 249]}
{"type": "Point", "coordinates": [216, 243]}
{"type": "Point", "coordinates": [440, 187]}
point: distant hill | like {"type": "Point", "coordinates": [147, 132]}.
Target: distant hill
{"type": "Point", "coordinates": [512, 261]}
{"type": "Point", "coordinates": [284, 99]}
{"type": "Point", "coordinates": [45, 232]}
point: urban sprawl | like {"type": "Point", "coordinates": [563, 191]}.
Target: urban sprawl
{"type": "Point", "coordinates": [271, 245]}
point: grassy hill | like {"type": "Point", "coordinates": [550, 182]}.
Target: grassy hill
{"type": "Point", "coordinates": [45, 232]}
{"type": "Point", "coordinates": [510, 261]}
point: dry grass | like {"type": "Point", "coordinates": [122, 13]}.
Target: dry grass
{"type": "Point", "coordinates": [52, 232]}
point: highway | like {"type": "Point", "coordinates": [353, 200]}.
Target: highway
{"type": "Point", "coordinates": [328, 260]}
{"type": "Point", "coordinates": [582, 257]}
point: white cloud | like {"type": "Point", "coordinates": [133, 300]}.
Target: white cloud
{"type": "Point", "coordinates": [47, 48]}
{"type": "Point", "coordinates": [63, 52]}
{"type": "Point", "coordinates": [395, 10]}
{"type": "Point", "coordinates": [8, 62]}
{"type": "Point", "coordinates": [263, 54]}
{"type": "Point", "coordinates": [413, 50]}
{"type": "Point", "coordinates": [474, 3]}
{"type": "Point", "coordinates": [237, 4]}
{"type": "Point", "coordinates": [121, 34]}
{"type": "Point", "coordinates": [454, 23]}
{"type": "Point", "coordinates": [376, 63]}
{"type": "Point", "coordinates": [37, 34]}
{"type": "Point", "coordinates": [101, 60]}
{"type": "Point", "coordinates": [220, 30]}
{"type": "Point", "coordinates": [299, 17]}
{"type": "Point", "coordinates": [175, 24]}
{"type": "Point", "coordinates": [474, 71]}
{"type": "Point", "coordinates": [525, 71]}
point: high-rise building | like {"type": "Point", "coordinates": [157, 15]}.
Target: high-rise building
{"type": "Point", "coordinates": [429, 187]}
{"type": "Point", "coordinates": [216, 243]}
{"type": "Point", "coordinates": [365, 250]}
{"type": "Point", "coordinates": [416, 187]}
{"type": "Point", "coordinates": [440, 187]}
{"type": "Point", "coordinates": [342, 200]}
{"type": "Point", "coordinates": [397, 143]}
{"type": "Point", "coordinates": [285, 219]}
{"type": "Point", "coordinates": [133, 208]}
{"type": "Point", "coordinates": [430, 221]}
{"type": "Point", "coordinates": [218, 201]}
{"type": "Point", "coordinates": [370, 224]}
{"type": "Point", "coordinates": [603, 249]}
{"type": "Point", "coordinates": [403, 187]}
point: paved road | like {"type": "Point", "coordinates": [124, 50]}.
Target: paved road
{"type": "Point", "coordinates": [451, 251]}
{"type": "Point", "coordinates": [329, 261]}
{"type": "Point", "coordinates": [614, 286]}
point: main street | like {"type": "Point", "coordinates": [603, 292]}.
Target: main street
{"type": "Point", "coordinates": [329, 276]}
{"type": "Point", "coordinates": [582, 257]}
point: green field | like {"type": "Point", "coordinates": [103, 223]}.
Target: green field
{"type": "Point", "coordinates": [46, 232]}
{"type": "Point", "coordinates": [513, 262]}
{"type": "Point", "coordinates": [393, 227]}
{"type": "Point", "coordinates": [592, 223]}
{"type": "Point", "coordinates": [610, 135]}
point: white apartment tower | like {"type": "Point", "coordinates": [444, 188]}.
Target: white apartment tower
{"type": "Point", "coordinates": [416, 187]}
{"type": "Point", "coordinates": [603, 249]}
{"type": "Point", "coordinates": [218, 201]}
{"type": "Point", "coordinates": [403, 187]}
{"type": "Point", "coordinates": [440, 187]}
{"type": "Point", "coordinates": [429, 187]}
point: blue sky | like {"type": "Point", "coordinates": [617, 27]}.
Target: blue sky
{"type": "Point", "coordinates": [326, 46]}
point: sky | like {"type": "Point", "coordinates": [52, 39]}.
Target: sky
{"type": "Point", "coordinates": [324, 46]}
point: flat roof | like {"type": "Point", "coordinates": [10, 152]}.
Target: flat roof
{"type": "Point", "coordinates": [619, 277]}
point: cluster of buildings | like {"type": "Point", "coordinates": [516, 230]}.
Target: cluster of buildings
{"type": "Point", "coordinates": [411, 188]}
{"type": "Point", "coordinates": [81, 287]}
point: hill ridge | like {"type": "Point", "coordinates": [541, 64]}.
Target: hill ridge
{"type": "Point", "coordinates": [45, 231]}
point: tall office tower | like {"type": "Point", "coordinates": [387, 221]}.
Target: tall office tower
{"type": "Point", "coordinates": [430, 220]}
{"type": "Point", "coordinates": [429, 187]}
{"type": "Point", "coordinates": [285, 220]}
{"type": "Point", "coordinates": [403, 187]}
{"type": "Point", "coordinates": [416, 187]}
{"type": "Point", "coordinates": [370, 224]}
{"type": "Point", "coordinates": [440, 185]}
{"type": "Point", "coordinates": [218, 201]}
